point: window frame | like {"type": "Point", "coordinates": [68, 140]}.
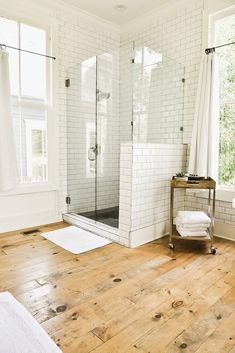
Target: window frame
{"type": "Point", "coordinates": [215, 11]}
{"type": "Point", "coordinates": [49, 25]}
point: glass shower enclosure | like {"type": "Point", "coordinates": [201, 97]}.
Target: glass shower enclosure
{"type": "Point", "coordinates": [130, 94]}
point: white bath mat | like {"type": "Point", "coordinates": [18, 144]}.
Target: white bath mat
{"type": "Point", "coordinates": [19, 331]}
{"type": "Point", "coordinates": [75, 240]}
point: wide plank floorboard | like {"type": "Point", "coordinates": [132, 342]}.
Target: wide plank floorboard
{"type": "Point", "coordinates": [145, 300]}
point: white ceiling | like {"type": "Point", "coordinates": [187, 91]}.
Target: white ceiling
{"type": "Point", "coordinates": [105, 8]}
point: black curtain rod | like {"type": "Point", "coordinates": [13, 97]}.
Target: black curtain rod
{"type": "Point", "coordinates": [4, 46]}
{"type": "Point", "coordinates": [211, 50]}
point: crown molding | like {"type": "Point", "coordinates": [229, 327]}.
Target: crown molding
{"type": "Point", "coordinates": [160, 12]}
{"type": "Point", "coordinates": [50, 8]}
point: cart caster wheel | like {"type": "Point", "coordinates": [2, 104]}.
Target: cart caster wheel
{"type": "Point", "coordinates": [213, 251]}
{"type": "Point", "coordinates": [171, 246]}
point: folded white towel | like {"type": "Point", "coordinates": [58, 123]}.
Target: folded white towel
{"type": "Point", "coordinates": [188, 233]}
{"type": "Point", "coordinates": [193, 217]}
{"type": "Point", "coordinates": [192, 226]}
{"type": "Point", "coordinates": [192, 229]}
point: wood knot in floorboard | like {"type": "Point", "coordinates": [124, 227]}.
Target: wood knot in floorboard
{"type": "Point", "coordinates": [157, 316]}
{"type": "Point", "coordinates": [183, 345]}
{"type": "Point", "coordinates": [177, 303]}
{"type": "Point", "coordinates": [61, 308]}
{"type": "Point", "coordinates": [116, 280]}
{"type": "Point", "coordinates": [75, 316]}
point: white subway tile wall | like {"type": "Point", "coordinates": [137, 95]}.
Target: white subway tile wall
{"type": "Point", "coordinates": [158, 98]}
{"type": "Point", "coordinates": [224, 213]}
{"type": "Point", "coordinates": [146, 171]}
{"type": "Point", "coordinates": [177, 34]}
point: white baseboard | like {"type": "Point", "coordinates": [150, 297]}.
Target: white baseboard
{"type": "Point", "coordinates": [28, 220]}
{"type": "Point", "coordinates": [148, 234]}
{"type": "Point", "coordinates": [157, 231]}
{"type": "Point", "coordinates": [225, 231]}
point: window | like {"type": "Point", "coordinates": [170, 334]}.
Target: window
{"type": "Point", "coordinates": [29, 79]}
{"type": "Point", "coordinates": [224, 32]}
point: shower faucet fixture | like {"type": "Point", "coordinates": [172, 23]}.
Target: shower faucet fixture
{"type": "Point", "coordinates": [102, 95]}
{"type": "Point", "coordinates": [93, 152]}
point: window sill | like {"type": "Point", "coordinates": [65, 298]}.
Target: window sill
{"type": "Point", "coordinates": [221, 194]}
{"type": "Point", "coordinates": [31, 189]}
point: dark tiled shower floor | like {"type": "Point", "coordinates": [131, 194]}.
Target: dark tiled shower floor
{"type": "Point", "coordinates": [107, 216]}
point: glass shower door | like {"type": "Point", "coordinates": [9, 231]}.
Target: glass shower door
{"type": "Point", "coordinates": [81, 138]}
{"type": "Point", "coordinates": [108, 144]}
{"type": "Point", "coordinates": [99, 115]}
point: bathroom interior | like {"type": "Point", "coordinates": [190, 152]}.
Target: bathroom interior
{"type": "Point", "coordinates": [117, 176]}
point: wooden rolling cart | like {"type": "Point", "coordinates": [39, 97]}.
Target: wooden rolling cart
{"type": "Point", "coordinates": [205, 184]}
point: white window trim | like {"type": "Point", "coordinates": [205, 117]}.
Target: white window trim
{"type": "Point", "coordinates": [50, 26]}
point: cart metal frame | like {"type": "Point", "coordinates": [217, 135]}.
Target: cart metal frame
{"type": "Point", "coordinates": [205, 184]}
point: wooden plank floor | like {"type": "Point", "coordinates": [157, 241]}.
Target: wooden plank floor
{"type": "Point", "coordinates": [118, 300]}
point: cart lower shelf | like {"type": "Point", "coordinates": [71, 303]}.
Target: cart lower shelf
{"type": "Point", "coordinates": [176, 235]}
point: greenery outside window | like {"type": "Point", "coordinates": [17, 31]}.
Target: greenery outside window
{"type": "Point", "coordinates": [224, 32]}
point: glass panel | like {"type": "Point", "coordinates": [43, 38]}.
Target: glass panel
{"type": "Point", "coordinates": [33, 67]}
{"type": "Point", "coordinates": [158, 94]}
{"type": "Point", "coordinates": [33, 145]}
{"type": "Point", "coordinates": [81, 137]}
{"type": "Point", "coordinates": [108, 141]}
{"type": "Point", "coordinates": [30, 127]}
{"type": "Point", "coordinates": [125, 92]}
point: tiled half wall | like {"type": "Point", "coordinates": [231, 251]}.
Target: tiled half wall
{"type": "Point", "coordinates": [145, 173]}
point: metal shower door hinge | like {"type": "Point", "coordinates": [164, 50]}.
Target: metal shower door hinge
{"type": "Point", "coordinates": [68, 200]}
{"type": "Point", "coordinates": [67, 82]}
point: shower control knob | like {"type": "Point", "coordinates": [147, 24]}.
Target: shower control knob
{"type": "Point", "coordinates": [93, 152]}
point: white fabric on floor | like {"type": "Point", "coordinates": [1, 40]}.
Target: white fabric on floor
{"type": "Point", "coordinates": [203, 159]}
{"type": "Point", "coordinates": [9, 176]}
{"type": "Point", "coordinates": [19, 331]}
{"type": "Point", "coordinates": [75, 240]}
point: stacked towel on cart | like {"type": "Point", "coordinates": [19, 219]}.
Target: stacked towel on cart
{"type": "Point", "coordinates": [192, 223]}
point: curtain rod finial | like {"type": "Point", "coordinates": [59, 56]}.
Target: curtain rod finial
{"type": "Point", "coordinates": [209, 51]}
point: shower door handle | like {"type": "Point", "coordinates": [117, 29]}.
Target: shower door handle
{"type": "Point", "coordinates": [92, 153]}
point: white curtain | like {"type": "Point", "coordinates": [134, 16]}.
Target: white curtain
{"type": "Point", "coordinates": [204, 147]}
{"type": "Point", "coordinates": [9, 176]}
